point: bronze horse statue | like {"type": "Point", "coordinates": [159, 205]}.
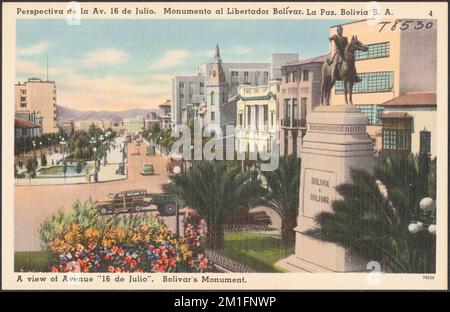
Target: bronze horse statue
{"type": "Point", "coordinates": [345, 72]}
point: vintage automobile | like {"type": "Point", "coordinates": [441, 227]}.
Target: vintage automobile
{"type": "Point", "coordinates": [147, 169]}
{"type": "Point", "coordinates": [136, 200]}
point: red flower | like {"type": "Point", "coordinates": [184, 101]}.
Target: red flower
{"type": "Point", "coordinates": [172, 262]}
{"type": "Point", "coordinates": [111, 268]}
{"type": "Point", "coordinates": [54, 269]}
{"type": "Point", "coordinates": [158, 251]}
{"type": "Point", "coordinates": [121, 252]}
{"type": "Point", "coordinates": [201, 265]}
{"type": "Point", "coordinates": [91, 246]}
{"type": "Point", "coordinates": [191, 261]}
{"type": "Point", "coordinates": [150, 247]}
{"type": "Point", "coordinates": [114, 249]}
{"type": "Point", "coordinates": [117, 270]}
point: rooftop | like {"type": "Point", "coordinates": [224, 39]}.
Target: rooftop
{"type": "Point", "coordinates": [315, 59]}
{"type": "Point", "coordinates": [413, 99]}
{"type": "Point", "coordinates": [395, 115]}
{"type": "Point", "coordinates": [22, 123]}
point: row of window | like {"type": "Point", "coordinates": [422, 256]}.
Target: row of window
{"type": "Point", "coordinates": [370, 82]}
{"type": "Point", "coordinates": [400, 140]}
{"type": "Point", "coordinates": [295, 110]}
{"type": "Point", "coordinates": [293, 76]}
{"type": "Point", "coordinates": [373, 113]}
{"type": "Point", "coordinates": [373, 51]}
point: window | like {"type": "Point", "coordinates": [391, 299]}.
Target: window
{"type": "Point", "coordinates": [240, 119]}
{"type": "Point", "coordinates": [287, 109]}
{"type": "Point", "coordinates": [23, 91]}
{"type": "Point", "coordinates": [288, 77]}
{"type": "Point", "coordinates": [271, 118]}
{"type": "Point", "coordinates": [213, 116]}
{"type": "Point", "coordinates": [181, 96]}
{"type": "Point", "coordinates": [371, 82]}
{"type": "Point", "coordinates": [425, 141]}
{"type": "Point", "coordinates": [202, 88]}
{"type": "Point", "coordinates": [373, 113]}
{"type": "Point", "coordinates": [249, 116]}
{"type": "Point", "coordinates": [246, 77]}
{"type": "Point", "coordinates": [256, 78]}
{"type": "Point", "coordinates": [295, 76]}
{"type": "Point", "coordinates": [23, 104]}
{"type": "Point", "coordinates": [305, 75]}
{"type": "Point", "coordinates": [265, 115]}
{"type": "Point", "coordinates": [303, 109]}
{"type": "Point", "coordinates": [295, 108]}
{"type": "Point", "coordinates": [373, 50]}
{"type": "Point", "coordinates": [181, 85]}
{"type": "Point", "coordinates": [212, 98]}
{"type": "Point", "coordinates": [397, 139]}
{"type": "Point", "coordinates": [266, 77]}
{"type": "Point", "coordinates": [234, 74]}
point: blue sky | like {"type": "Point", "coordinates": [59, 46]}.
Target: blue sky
{"type": "Point", "coordinates": [121, 64]}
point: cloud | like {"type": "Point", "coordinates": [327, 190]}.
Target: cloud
{"type": "Point", "coordinates": [241, 50]}
{"type": "Point", "coordinates": [36, 49]}
{"type": "Point", "coordinates": [101, 57]}
{"type": "Point", "coordinates": [171, 58]}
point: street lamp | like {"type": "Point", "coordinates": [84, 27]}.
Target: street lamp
{"type": "Point", "coordinates": [40, 145]}
{"type": "Point", "coordinates": [63, 143]}
{"type": "Point", "coordinates": [101, 138]}
{"type": "Point", "coordinates": [428, 206]}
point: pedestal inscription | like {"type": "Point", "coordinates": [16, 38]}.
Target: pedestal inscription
{"type": "Point", "coordinates": [319, 191]}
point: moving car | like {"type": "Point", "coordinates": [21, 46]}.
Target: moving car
{"type": "Point", "coordinates": [147, 169]}
{"type": "Point", "coordinates": [135, 200]}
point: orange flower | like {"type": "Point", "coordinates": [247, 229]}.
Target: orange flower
{"type": "Point", "coordinates": [111, 268]}
{"type": "Point", "coordinates": [114, 249]}
{"type": "Point", "coordinates": [117, 270]}
{"type": "Point", "coordinates": [54, 269]}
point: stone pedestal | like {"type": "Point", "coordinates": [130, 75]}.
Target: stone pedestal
{"type": "Point", "coordinates": [336, 140]}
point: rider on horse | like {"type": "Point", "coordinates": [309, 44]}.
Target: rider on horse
{"type": "Point", "coordinates": [341, 43]}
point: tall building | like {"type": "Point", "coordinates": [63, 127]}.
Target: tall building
{"type": "Point", "coordinates": [256, 117]}
{"type": "Point", "coordinates": [38, 96]}
{"type": "Point", "coordinates": [188, 92]}
{"type": "Point", "coordinates": [299, 95]}
{"type": "Point", "coordinates": [395, 63]}
{"type": "Point", "coordinates": [216, 91]}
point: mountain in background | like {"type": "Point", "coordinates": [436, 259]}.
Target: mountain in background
{"type": "Point", "coordinates": [65, 113]}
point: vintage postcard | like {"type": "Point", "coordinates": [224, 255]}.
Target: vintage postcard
{"type": "Point", "coordinates": [274, 145]}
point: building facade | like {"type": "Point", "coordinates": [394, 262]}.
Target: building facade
{"type": "Point", "coordinates": [409, 124]}
{"type": "Point", "coordinates": [134, 125]}
{"type": "Point", "coordinates": [38, 96]}
{"type": "Point", "coordinates": [164, 114]}
{"type": "Point", "coordinates": [84, 125]}
{"type": "Point", "coordinates": [299, 95]}
{"type": "Point", "coordinates": [392, 66]}
{"type": "Point", "coordinates": [26, 128]}
{"type": "Point", "coordinates": [188, 92]}
{"type": "Point", "coordinates": [256, 119]}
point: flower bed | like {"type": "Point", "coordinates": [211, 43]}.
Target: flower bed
{"type": "Point", "coordinates": [82, 240]}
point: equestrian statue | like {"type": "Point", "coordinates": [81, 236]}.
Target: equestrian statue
{"type": "Point", "coordinates": [341, 67]}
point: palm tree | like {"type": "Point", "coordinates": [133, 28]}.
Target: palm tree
{"type": "Point", "coordinates": [283, 185]}
{"type": "Point", "coordinates": [374, 225]}
{"type": "Point", "coordinates": [215, 189]}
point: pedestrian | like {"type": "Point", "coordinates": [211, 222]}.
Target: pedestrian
{"type": "Point", "coordinates": [88, 176]}
{"type": "Point", "coordinates": [96, 175]}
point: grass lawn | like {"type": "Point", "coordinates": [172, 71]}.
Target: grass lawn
{"type": "Point", "coordinates": [36, 261]}
{"type": "Point", "coordinates": [259, 251]}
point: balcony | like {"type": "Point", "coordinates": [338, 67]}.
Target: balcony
{"type": "Point", "coordinates": [286, 122]}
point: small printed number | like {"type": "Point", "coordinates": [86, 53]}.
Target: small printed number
{"type": "Point", "coordinates": [431, 13]}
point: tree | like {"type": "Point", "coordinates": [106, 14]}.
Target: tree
{"type": "Point", "coordinates": [374, 225]}
{"type": "Point", "coordinates": [216, 188]}
{"type": "Point", "coordinates": [283, 197]}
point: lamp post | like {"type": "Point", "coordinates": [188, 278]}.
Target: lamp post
{"type": "Point", "coordinates": [177, 171]}
{"type": "Point", "coordinates": [428, 207]}
{"type": "Point", "coordinates": [40, 145]}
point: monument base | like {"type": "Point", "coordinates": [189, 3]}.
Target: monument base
{"type": "Point", "coordinates": [336, 142]}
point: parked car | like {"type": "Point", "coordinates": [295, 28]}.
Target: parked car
{"type": "Point", "coordinates": [147, 169]}
{"type": "Point", "coordinates": [136, 200]}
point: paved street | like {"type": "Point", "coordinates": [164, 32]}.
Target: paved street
{"type": "Point", "coordinates": [33, 204]}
